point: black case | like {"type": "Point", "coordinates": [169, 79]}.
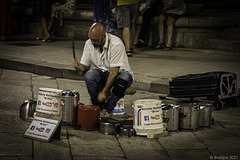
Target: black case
{"type": "Point", "coordinates": [221, 84]}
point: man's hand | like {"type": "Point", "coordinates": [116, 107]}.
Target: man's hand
{"type": "Point", "coordinates": [75, 63]}
{"type": "Point", "coordinates": [102, 96]}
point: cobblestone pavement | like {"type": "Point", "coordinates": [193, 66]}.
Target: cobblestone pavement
{"type": "Point", "coordinates": [221, 141]}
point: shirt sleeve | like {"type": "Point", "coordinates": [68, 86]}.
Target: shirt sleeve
{"type": "Point", "coordinates": [117, 60]}
{"type": "Point", "coordinates": [86, 57]}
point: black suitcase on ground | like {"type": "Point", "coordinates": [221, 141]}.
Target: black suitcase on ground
{"type": "Point", "coordinates": [213, 85]}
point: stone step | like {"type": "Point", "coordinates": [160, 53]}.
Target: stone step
{"type": "Point", "coordinates": [231, 33]}
{"type": "Point", "coordinates": [222, 43]}
{"type": "Point", "coordinates": [78, 30]}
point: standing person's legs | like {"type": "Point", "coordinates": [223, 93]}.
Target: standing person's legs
{"type": "Point", "coordinates": [146, 20]}
{"type": "Point", "coordinates": [122, 82]}
{"type": "Point", "coordinates": [133, 17]}
{"type": "Point", "coordinates": [161, 20]}
{"type": "Point", "coordinates": [123, 21]}
{"type": "Point", "coordinates": [170, 27]}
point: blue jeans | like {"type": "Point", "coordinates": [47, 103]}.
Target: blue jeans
{"type": "Point", "coordinates": [96, 79]}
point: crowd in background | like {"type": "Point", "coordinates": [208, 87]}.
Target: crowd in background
{"type": "Point", "coordinates": [121, 14]}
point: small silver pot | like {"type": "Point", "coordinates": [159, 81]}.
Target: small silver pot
{"type": "Point", "coordinates": [127, 131]}
{"type": "Point", "coordinates": [27, 109]}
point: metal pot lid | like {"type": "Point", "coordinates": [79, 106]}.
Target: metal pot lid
{"type": "Point", "coordinates": [169, 106]}
{"type": "Point", "coordinates": [67, 93]}
{"type": "Point", "coordinates": [75, 92]}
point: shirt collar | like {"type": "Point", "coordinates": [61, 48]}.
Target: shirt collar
{"type": "Point", "coordinates": [106, 41]}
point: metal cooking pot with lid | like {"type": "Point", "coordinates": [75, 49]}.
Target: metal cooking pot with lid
{"type": "Point", "coordinates": [109, 126]}
{"type": "Point", "coordinates": [27, 109]}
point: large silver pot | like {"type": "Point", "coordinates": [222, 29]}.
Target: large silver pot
{"type": "Point", "coordinates": [27, 109]}
{"type": "Point", "coordinates": [109, 126]}
{"type": "Point", "coordinates": [170, 113]}
{"type": "Point", "coordinates": [189, 113]}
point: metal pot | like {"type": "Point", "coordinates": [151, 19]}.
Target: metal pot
{"type": "Point", "coordinates": [109, 126]}
{"type": "Point", "coordinates": [27, 109]}
{"type": "Point", "coordinates": [127, 131]}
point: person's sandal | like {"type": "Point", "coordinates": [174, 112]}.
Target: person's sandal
{"type": "Point", "coordinates": [167, 48]}
{"type": "Point", "coordinates": [160, 46]}
{"type": "Point", "coordinates": [129, 53]}
{"type": "Point", "coordinates": [46, 39]}
{"type": "Point", "coordinates": [39, 37]}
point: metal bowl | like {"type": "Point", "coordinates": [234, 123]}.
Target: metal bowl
{"type": "Point", "coordinates": [27, 109]}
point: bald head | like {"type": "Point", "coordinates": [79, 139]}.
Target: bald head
{"type": "Point", "coordinates": [97, 34]}
{"type": "Point", "coordinates": [96, 30]}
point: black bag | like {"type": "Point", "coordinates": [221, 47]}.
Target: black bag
{"type": "Point", "coordinates": [221, 84]}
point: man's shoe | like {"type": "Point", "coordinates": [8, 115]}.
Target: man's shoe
{"type": "Point", "coordinates": [140, 43]}
{"type": "Point", "coordinates": [130, 91]}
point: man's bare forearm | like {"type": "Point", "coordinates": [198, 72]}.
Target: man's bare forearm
{"type": "Point", "coordinates": [111, 78]}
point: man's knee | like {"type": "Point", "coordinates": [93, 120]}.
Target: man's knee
{"type": "Point", "coordinates": [170, 21]}
{"type": "Point", "coordinates": [161, 18]}
{"type": "Point", "coordinates": [120, 86]}
{"type": "Point", "coordinates": [89, 75]}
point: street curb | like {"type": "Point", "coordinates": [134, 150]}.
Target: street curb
{"type": "Point", "coordinates": [55, 70]}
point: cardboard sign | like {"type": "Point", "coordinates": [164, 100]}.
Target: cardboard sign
{"type": "Point", "coordinates": [43, 127]}
{"type": "Point", "coordinates": [49, 101]}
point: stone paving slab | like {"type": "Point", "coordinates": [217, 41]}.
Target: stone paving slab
{"type": "Point", "coordinates": [181, 154]}
{"type": "Point", "coordinates": [15, 145]}
{"type": "Point", "coordinates": [142, 148]}
{"type": "Point", "coordinates": [97, 150]}
{"type": "Point", "coordinates": [97, 158]}
{"type": "Point", "coordinates": [91, 138]}
{"type": "Point", "coordinates": [54, 150]}
{"type": "Point", "coordinates": [181, 140]}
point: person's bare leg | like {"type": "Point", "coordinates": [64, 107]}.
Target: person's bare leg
{"type": "Point", "coordinates": [132, 37]}
{"type": "Point", "coordinates": [161, 20]}
{"type": "Point", "coordinates": [126, 38]}
{"type": "Point", "coordinates": [170, 27]}
{"type": "Point", "coordinates": [46, 34]}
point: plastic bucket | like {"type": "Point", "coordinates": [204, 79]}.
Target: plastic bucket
{"type": "Point", "coordinates": [147, 116]}
{"type": "Point", "coordinates": [49, 101]}
{"type": "Point", "coordinates": [189, 116]}
{"type": "Point", "coordinates": [119, 109]}
{"type": "Point", "coordinates": [205, 115]}
{"type": "Point", "coordinates": [170, 114]}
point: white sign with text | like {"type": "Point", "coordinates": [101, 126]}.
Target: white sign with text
{"type": "Point", "coordinates": [42, 128]}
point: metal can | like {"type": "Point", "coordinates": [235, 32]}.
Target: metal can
{"type": "Point", "coordinates": [76, 101]}
{"type": "Point", "coordinates": [189, 113]}
{"type": "Point", "coordinates": [171, 117]}
{"type": "Point", "coordinates": [67, 98]}
{"type": "Point", "coordinates": [205, 115]}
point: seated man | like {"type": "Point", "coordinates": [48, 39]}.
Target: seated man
{"type": "Point", "coordinates": [151, 9]}
{"type": "Point", "coordinates": [107, 54]}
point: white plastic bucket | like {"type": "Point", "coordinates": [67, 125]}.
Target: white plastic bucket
{"type": "Point", "coordinates": [147, 116]}
{"type": "Point", "coordinates": [119, 109]}
{"type": "Point", "coordinates": [49, 101]}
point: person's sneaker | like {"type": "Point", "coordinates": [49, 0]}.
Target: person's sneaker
{"type": "Point", "coordinates": [130, 91]}
{"type": "Point", "coordinates": [104, 113]}
{"type": "Point", "coordinates": [140, 43]}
